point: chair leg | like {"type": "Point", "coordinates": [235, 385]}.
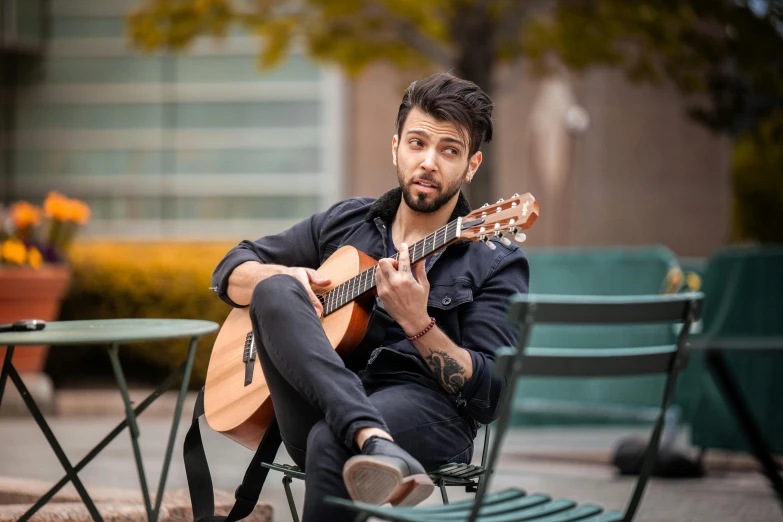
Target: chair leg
{"type": "Point", "coordinates": [443, 492]}
{"type": "Point", "coordinates": [287, 486]}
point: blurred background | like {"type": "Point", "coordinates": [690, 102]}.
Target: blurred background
{"type": "Point", "coordinates": [649, 131]}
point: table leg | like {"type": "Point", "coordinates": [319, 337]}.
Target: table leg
{"type": "Point", "coordinates": [39, 419]}
{"type": "Point", "coordinates": [728, 387]}
{"type": "Point", "coordinates": [132, 426]}
{"type": "Point", "coordinates": [9, 352]}
{"type": "Point", "coordinates": [130, 414]}
{"type": "Point", "coordinates": [110, 437]}
{"type": "Point", "coordinates": [183, 390]}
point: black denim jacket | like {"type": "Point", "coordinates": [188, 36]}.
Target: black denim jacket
{"type": "Point", "coordinates": [469, 288]}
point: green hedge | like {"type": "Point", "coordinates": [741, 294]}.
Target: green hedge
{"type": "Point", "coordinates": [149, 280]}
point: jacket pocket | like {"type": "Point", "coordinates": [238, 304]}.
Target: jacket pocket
{"type": "Point", "coordinates": [448, 296]}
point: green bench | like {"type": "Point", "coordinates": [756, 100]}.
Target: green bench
{"type": "Point", "coordinates": [581, 361]}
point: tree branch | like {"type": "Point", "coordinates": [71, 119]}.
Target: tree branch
{"type": "Point", "coordinates": [426, 45]}
{"type": "Point", "coordinates": [515, 12]}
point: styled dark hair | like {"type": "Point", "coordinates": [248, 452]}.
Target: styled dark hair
{"type": "Point", "coordinates": [448, 98]}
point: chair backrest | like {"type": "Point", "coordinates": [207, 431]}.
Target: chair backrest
{"type": "Point", "coordinates": [527, 310]}
{"type": "Point", "coordinates": [618, 271]}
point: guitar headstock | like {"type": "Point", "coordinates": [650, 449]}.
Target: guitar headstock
{"type": "Point", "coordinates": [506, 217]}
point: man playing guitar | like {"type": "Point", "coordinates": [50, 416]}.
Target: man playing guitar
{"type": "Point", "coordinates": [371, 428]}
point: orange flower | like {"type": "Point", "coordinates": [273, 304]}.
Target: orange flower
{"type": "Point", "coordinates": [80, 212]}
{"type": "Point", "coordinates": [60, 208]}
{"type": "Point", "coordinates": [25, 215]}
{"type": "Point", "coordinates": [14, 251]}
{"type": "Point", "coordinates": [56, 206]}
{"type": "Point", "coordinates": [34, 257]}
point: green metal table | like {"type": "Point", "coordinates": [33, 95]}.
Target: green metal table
{"type": "Point", "coordinates": [727, 384]}
{"type": "Point", "coordinates": [111, 333]}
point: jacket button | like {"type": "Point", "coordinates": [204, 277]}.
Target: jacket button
{"type": "Point", "coordinates": [446, 300]}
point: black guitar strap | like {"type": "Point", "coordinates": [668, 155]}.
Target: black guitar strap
{"type": "Point", "coordinates": [202, 494]}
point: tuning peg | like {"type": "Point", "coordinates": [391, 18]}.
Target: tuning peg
{"type": "Point", "coordinates": [500, 200]}
{"type": "Point", "coordinates": [491, 245]}
{"type": "Point", "coordinates": [506, 241]}
{"type": "Point", "coordinates": [520, 238]}
{"type": "Point", "coordinates": [484, 205]}
{"type": "Point", "coordinates": [515, 195]}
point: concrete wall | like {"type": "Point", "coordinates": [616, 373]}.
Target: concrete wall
{"type": "Point", "coordinates": [642, 173]}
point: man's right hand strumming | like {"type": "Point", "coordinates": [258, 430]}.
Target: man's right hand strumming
{"type": "Point", "coordinates": [245, 277]}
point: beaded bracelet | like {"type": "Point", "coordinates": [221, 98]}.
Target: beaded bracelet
{"type": "Point", "coordinates": [412, 338]}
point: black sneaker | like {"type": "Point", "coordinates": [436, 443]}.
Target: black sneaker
{"type": "Point", "coordinates": [385, 472]}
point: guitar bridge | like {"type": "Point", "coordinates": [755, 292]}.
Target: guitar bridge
{"type": "Point", "coordinates": [249, 357]}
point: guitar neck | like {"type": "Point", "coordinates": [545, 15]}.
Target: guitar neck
{"type": "Point", "coordinates": [359, 285]}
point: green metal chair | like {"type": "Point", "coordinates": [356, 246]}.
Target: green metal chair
{"type": "Point", "coordinates": [468, 476]}
{"type": "Point", "coordinates": [605, 270]}
{"type": "Point", "coordinates": [515, 504]}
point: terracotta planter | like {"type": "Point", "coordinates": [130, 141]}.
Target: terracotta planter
{"type": "Point", "coordinates": [31, 294]}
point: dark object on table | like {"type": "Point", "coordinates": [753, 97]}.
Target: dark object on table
{"type": "Point", "coordinates": [25, 325]}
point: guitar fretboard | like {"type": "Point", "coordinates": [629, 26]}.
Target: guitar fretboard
{"type": "Point", "coordinates": [346, 292]}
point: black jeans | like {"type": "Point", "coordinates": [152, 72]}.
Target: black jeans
{"type": "Point", "coordinates": [320, 404]}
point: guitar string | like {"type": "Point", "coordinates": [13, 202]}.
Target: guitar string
{"type": "Point", "coordinates": [346, 292]}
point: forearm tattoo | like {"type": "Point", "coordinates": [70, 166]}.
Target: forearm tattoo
{"type": "Point", "coordinates": [447, 370]}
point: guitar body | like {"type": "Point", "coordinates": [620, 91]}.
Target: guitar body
{"type": "Point", "coordinates": [243, 413]}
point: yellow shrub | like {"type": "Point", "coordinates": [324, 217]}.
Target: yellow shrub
{"type": "Point", "coordinates": [149, 280]}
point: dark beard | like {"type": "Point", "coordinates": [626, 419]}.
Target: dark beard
{"type": "Point", "coordinates": [420, 204]}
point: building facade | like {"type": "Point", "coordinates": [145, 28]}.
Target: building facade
{"type": "Point", "coordinates": [205, 145]}
{"type": "Point", "coordinates": [196, 145]}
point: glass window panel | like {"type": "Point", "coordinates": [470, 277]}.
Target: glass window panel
{"type": "Point", "coordinates": [248, 114]}
{"type": "Point", "coordinates": [122, 208]}
{"type": "Point", "coordinates": [30, 17]}
{"type": "Point", "coordinates": [189, 69]}
{"type": "Point", "coordinates": [202, 207]}
{"type": "Point", "coordinates": [87, 27]}
{"type": "Point", "coordinates": [208, 69]}
{"type": "Point", "coordinates": [303, 160]}
{"type": "Point", "coordinates": [109, 69]}
{"type": "Point", "coordinates": [112, 162]}
{"type": "Point", "coordinates": [104, 162]}
{"type": "Point", "coordinates": [152, 116]}
{"type": "Point", "coordinates": [120, 116]}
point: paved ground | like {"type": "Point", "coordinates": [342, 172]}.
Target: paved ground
{"type": "Point", "coordinates": [528, 462]}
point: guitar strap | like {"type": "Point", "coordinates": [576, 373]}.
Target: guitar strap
{"type": "Point", "coordinates": [202, 494]}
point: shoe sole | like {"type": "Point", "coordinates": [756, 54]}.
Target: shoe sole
{"type": "Point", "coordinates": [375, 482]}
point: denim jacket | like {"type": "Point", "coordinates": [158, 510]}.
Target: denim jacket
{"type": "Point", "coordinates": [469, 288]}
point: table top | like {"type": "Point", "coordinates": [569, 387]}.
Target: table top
{"type": "Point", "coordinates": [105, 331]}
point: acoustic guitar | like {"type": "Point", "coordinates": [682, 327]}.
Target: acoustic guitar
{"type": "Point", "coordinates": [236, 397]}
